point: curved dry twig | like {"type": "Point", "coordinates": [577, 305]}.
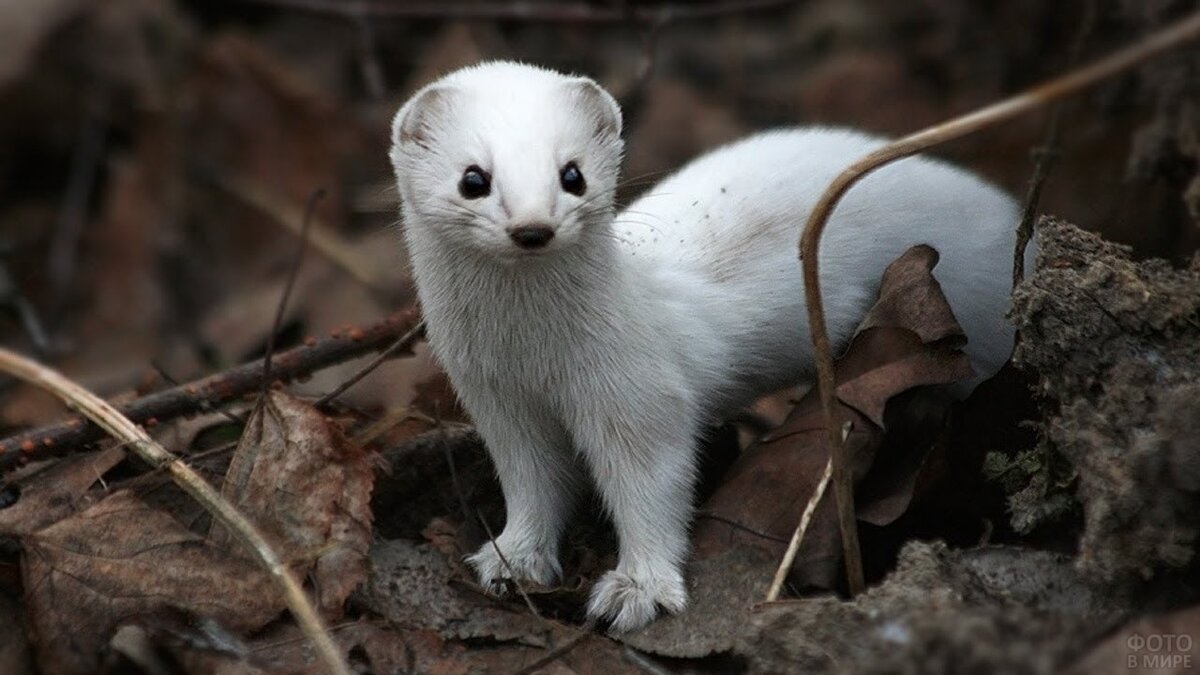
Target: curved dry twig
{"type": "Point", "coordinates": [1176, 35]}
{"type": "Point", "coordinates": [136, 438]}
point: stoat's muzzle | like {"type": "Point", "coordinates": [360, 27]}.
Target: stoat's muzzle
{"type": "Point", "coordinates": [531, 236]}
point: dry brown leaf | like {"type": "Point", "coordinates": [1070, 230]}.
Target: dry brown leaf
{"type": "Point", "coordinates": [119, 558]}
{"type": "Point", "coordinates": [55, 493]}
{"type": "Point", "coordinates": [909, 339]}
{"type": "Point", "coordinates": [297, 477]}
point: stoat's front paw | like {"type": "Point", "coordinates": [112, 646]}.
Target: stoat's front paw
{"type": "Point", "coordinates": [525, 564]}
{"type": "Point", "coordinates": [630, 602]}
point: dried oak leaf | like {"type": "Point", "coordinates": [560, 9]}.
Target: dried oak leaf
{"type": "Point", "coordinates": [85, 574]}
{"type": "Point", "coordinates": [308, 488]}
{"type": "Point", "coordinates": [57, 492]}
{"type": "Point", "coordinates": [909, 339]}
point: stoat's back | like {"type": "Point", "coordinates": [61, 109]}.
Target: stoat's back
{"type": "Point", "coordinates": [733, 217]}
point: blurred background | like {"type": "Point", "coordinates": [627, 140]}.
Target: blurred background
{"type": "Point", "coordinates": [156, 155]}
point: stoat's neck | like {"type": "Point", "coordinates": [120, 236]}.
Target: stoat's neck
{"type": "Point", "coordinates": [459, 288]}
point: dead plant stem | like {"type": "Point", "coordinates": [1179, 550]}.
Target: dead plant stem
{"type": "Point", "coordinates": [121, 428]}
{"type": "Point", "coordinates": [1047, 154]}
{"type": "Point", "coordinates": [293, 272]}
{"type": "Point", "coordinates": [789, 556]}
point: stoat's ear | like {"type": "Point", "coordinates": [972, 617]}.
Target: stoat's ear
{"type": "Point", "coordinates": [415, 121]}
{"type": "Point", "coordinates": [598, 106]}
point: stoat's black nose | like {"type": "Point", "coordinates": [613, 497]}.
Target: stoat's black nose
{"type": "Point", "coordinates": [531, 236]}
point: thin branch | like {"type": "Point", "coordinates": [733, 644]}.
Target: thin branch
{"type": "Point", "coordinates": [72, 435]}
{"type": "Point", "coordinates": [512, 574]}
{"type": "Point", "coordinates": [555, 653]}
{"type": "Point", "coordinates": [121, 428]}
{"type": "Point", "coordinates": [1047, 154]}
{"type": "Point", "coordinates": [1157, 43]}
{"type": "Point", "coordinates": [390, 421]}
{"type": "Point", "coordinates": [644, 662]}
{"type": "Point", "coordinates": [740, 527]}
{"type": "Point", "coordinates": [789, 556]}
{"type": "Point", "coordinates": [462, 502]}
{"type": "Point", "coordinates": [404, 344]}
{"type": "Point", "coordinates": [529, 12]}
{"type": "Point", "coordinates": [205, 405]}
{"type": "Point", "coordinates": [305, 226]}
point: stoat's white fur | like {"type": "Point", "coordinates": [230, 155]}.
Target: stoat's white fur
{"type": "Point", "coordinates": [606, 352]}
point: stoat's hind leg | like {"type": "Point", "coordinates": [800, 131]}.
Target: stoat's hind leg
{"type": "Point", "coordinates": [539, 477]}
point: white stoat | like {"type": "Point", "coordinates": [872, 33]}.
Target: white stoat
{"type": "Point", "coordinates": [585, 342]}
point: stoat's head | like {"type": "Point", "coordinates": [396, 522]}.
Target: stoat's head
{"type": "Point", "coordinates": [508, 159]}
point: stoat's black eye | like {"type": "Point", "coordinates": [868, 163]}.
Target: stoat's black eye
{"type": "Point", "coordinates": [572, 179]}
{"type": "Point", "coordinates": [475, 183]}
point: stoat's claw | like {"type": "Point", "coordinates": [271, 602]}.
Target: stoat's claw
{"type": "Point", "coordinates": [532, 565]}
{"type": "Point", "coordinates": [628, 603]}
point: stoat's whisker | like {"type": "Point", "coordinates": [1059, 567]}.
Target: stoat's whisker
{"type": "Point", "coordinates": [648, 178]}
{"type": "Point", "coordinates": [602, 209]}
{"type": "Point", "coordinates": [637, 222]}
{"type": "Point", "coordinates": [587, 201]}
{"type": "Point", "coordinates": [623, 220]}
{"type": "Point", "coordinates": [643, 213]}
{"type": "Point", "coordinates": [461, 216]}
{"type": "Point", "coordinates": [654, 194]}
{"type": "Point", "coordinates": [614, 236]}
{"type": "Point", "coordinates": [593, 210]}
